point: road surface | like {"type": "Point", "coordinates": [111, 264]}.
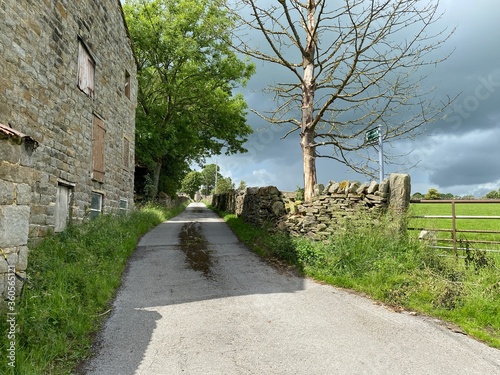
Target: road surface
{"type": "Point", "coordinates": [194, 300]}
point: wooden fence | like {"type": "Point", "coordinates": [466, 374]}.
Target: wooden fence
{"type": "Point", "coordinates": [457, 243]}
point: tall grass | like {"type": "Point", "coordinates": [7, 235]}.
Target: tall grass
{"type": "Point", "coordinates": [72, 277]}
{"type": "Point", "coordinates": [383, 262]}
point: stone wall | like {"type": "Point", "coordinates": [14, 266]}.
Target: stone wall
{"type": "Point", "coordinates": [41, 98]}
{"type": "Point", "coordinates": [255, 205]}
{"type": "Point", "coordinates": [347, 199]}
{"type": "Point", "coordinates": [325, 213]}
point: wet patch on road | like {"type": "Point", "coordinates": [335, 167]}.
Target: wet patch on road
{"type": "Point", "coordinates": [195, 247]}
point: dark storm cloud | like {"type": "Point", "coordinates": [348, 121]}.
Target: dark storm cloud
{"type": "Point", "coordinates": [471, 159]}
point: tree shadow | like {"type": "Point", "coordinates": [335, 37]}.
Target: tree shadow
{"type": "Point", "coordinates": [192, 258]}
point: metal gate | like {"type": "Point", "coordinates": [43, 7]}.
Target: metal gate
{"type": "Point", "coordinates": [458, 239]}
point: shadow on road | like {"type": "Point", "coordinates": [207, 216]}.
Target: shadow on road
{"type": "Point", "coordinates": [193, 257]}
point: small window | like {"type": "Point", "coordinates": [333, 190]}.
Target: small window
{"type": "Point", "coordinates": [127, 84]}
{"type": "Point", "coordinates": [86, 70]}
{"type": "Point", "coordinates": [123, 206]}
{"type": "Point", "coordinates": [95, 205]}
{"type": "Point", "coordinates": [126, 152]}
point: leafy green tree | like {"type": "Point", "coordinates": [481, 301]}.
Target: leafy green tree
{"type": "Point", "coordinates": [186, 72]}
{"type": "Point", "coordinates": [446, 196]}
{"type": "Point", "coordinates": [432, 194]}
{"type": "Point", "coordinates": [242, 185]}
{"type": "Point", "coordinates": [174, 168]}
{"type": "Point", "coordinates": [208, 174]}
{"type": "Point", "coordinates": [224, 185]}
{"type": "Point", "coordinates": [417, 196]}
{"type": "Point", "coordinates": [192, 183]}
{"type": "Point", "coordinates": [493, 194]}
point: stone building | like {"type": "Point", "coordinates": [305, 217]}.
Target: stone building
{"type": "Point", "coordinates": [67, 118]}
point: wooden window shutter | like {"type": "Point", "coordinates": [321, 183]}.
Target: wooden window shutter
{"type": "Point", "coordinates": [90, 77]}
{"type": "Point", "coordinates": [98, 150]}
{"type": "Point", "coordinates": [86, 70]}
{"type": "Point", "coordinates": [82, 64]}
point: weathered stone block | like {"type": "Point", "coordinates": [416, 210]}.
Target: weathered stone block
{"type": "Point", "coordinates": [6, 192]}
{"type": "Point", "coordinates": [318, 189]}
{"type": "Point", "coordinates": [14, 225]}
{"type": "Point", "coordinates": [373, 187]}
{"type": "Point", "coordinates": [12, 259]}
{"type": "Point", "coordinates": [338, 196]}
{"type": "Point", "coordinates": [343, 187]}
{"type": "Point", "coordinates": [375, 198]}
{"type": "Point", "coordinates": [10, 152]}
{"type": "Point", "coordinates": [22, 262]}
{"type": "Point", "coordinates": [39, 219]}
{"type": "Point", "coordinates": [362, 188]}
{"type": "Point", "coordinates": [278, 208]}
{"type": "Point", "coordinates": [334, 188]}
{"type": "Point", "coordinates": [353, 187]}
{"type": "Point", "coordinates": [384, 186]}
{"type": "Point", "coordinates": [400, 189]}
{"type": "Point", "coordinates": [23, 194]}
{"type": "Point", "coordinates": [354, 197]}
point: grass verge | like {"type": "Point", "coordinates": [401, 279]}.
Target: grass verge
{"type": "Point", "coordinates": [72, 278]}
{"type": "Point", "coordinates": [387, 265]}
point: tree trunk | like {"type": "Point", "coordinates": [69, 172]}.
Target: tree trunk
{"type": "Point", "coordinates": [309, 159]}
{"type": "Point", "coordinates": [156, 178]}
{"type": "Point", "coordinates": [308, 87]}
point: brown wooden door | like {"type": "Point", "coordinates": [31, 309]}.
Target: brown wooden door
{"type": "Point", "coordinates": [98, 144]}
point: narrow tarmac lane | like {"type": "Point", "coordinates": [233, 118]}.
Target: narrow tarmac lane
{"type": "Point", "coordinates": [194, 300]}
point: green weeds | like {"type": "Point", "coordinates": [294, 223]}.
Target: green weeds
{"type": "Point", "coordinates": [72, 277]}
{"type": "Point", "coordinates": [385, 263]}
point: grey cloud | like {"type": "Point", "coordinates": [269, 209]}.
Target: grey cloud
{"type": "Point", "coordinates": [471, 159]}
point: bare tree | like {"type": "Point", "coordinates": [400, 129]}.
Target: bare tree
{"type": "Point", "coordinates": [353, 65]}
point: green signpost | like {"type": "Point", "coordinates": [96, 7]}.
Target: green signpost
{"type": "Point", "coordinates": [374, 136]}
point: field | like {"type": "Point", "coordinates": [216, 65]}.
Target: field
{"type": "Point", "coordinates": [462, 224]}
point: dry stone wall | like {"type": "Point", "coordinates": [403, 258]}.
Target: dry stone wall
{"type": "Point", "coordinates": [255, 205]}
{"type": "Point", "coordinates": [328, 210]}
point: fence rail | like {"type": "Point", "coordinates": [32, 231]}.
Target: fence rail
{"type": "Point", "coordinates": [453, 230]}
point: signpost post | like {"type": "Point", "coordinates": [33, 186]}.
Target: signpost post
{"type": "Point", "coordinates": [372, 136]}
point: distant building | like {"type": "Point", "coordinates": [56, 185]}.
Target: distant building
{"type": "Point", "coordinates": [68, 93]}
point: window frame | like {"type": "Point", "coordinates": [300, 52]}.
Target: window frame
{"type": "Point", "coordinates": [123, 210]}
{"type": "Point", "coordinates": [93, 211]}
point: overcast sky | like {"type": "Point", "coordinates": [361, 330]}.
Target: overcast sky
{"type": "Point", "coordinates": [460, 155]}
